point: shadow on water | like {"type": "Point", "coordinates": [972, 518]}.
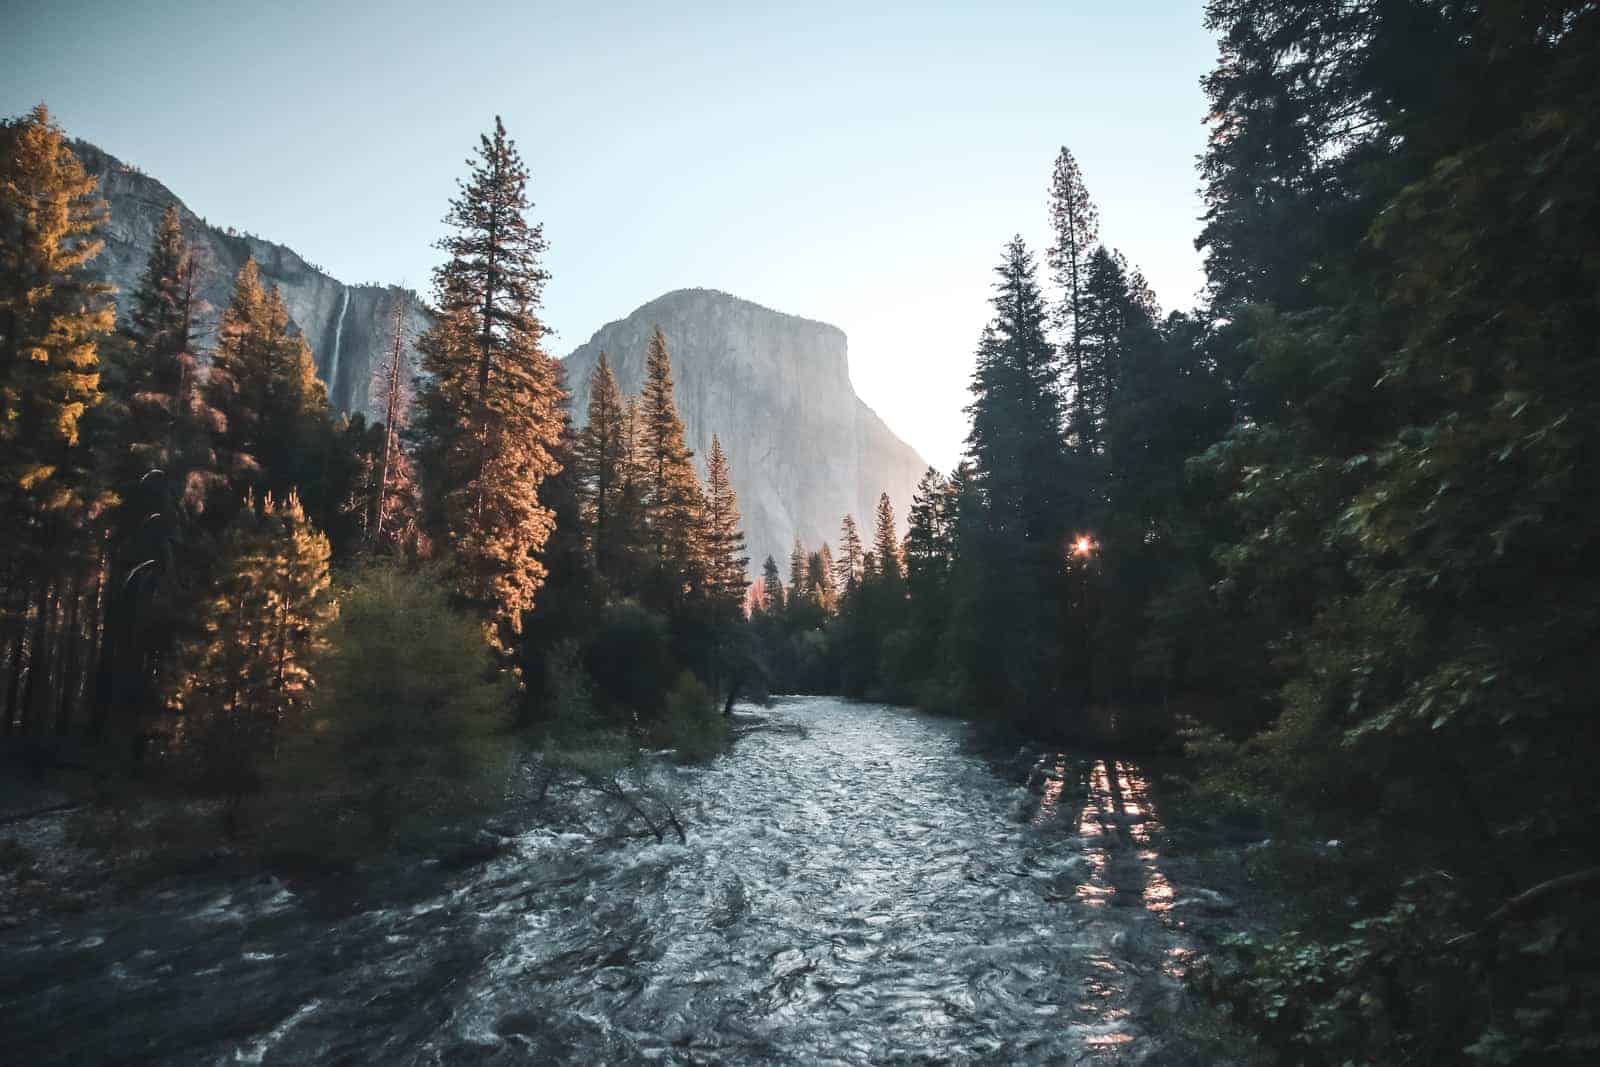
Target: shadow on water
{"type": "Point", "coordinates": [862, 884]}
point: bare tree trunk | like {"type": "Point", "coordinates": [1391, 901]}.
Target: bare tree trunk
{"type": "Point", "coordinates": [390, 418]}
{"type": "Point", "coordinates": [38, 657]}
{"type": "Point", "coordinates": [17, 617]}
{"type": "Point", "coordinates": [72, 641]}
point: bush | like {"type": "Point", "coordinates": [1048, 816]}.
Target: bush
{"type": "Point", "coordinates": [403, 728]}
{"type": "Point", "coordinates": [630, 660]}
{"type": "Point", "coordinates": [567, 698]}
{"type": "Point", "coordinates": [695, 726]}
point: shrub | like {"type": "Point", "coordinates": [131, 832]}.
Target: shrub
{"type": "Point", "coordinates": [630, 660]}
{"type": "Point", "coordinates": [403, 729]}
{"type": "Point", "coordinates": [695, 726]}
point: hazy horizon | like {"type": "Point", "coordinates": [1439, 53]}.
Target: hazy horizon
{"type": "Point", "coordinates": [858, 169]}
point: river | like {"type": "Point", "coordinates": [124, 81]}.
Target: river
{"type": "Point", "coordinates": [861, 884]}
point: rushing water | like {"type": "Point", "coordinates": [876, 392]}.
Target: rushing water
{"type": "Point", "coordinates": [861, 885]}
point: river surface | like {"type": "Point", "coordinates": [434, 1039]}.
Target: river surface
{"type": "Point", "coordinates": [861, 884]}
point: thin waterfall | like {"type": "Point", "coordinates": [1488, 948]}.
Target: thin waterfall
{"type": "Point", "coordinates": [338, 342]}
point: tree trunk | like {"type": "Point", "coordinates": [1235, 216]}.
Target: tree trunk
{"type": "Point", "coordinates": [38, 658]}
{"type": "Point", "coordinates": [72, 641]}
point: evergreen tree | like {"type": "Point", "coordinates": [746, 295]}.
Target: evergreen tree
{"type": "Point", "coordinates": [673, 501]}
{"type": "Point", "coordinates": [53, 318]}
{"type": "Point", "coordinates": [394, 512]}
{"type": "Point", "coordinates": [724, 540]}
{"type": "Point", "coordinates": [604, 463]}
{"type": "Point", "coordinates": [827, 591]}
{"type": "Point", "coordinates": [491, 408]}
{"type": "Point", "coordinates": [1075, 223]}
{"type": "Point", "coordinates": [573, 593]}
{"type": "Point", "coordinates": [886, 543]}
{"type": "Point", "coordinates": [1020, 471]}
{"type": "Point", "coordinates": [249, 673]}
{"type": "Point", "coordinates": [162, 468]}
{"type": "Point", "coordinates": [272, 409]}
{"type": "Point", "coordinates": [771, 587]}
{"type": "Point", "coordinates": [847, 575]}
{"type": "Point", "coordinates": [1113, 317]}
{"type": "Point", "coordinates": [799, 588]}
{"type": "Point", "coordinates": [927, 534]}
{"type": "Point", "coordinates": [382, 503]}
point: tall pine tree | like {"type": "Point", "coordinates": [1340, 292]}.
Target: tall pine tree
{"type": "Point", "coordinates": [724, 540]}
{"type": "Point", "coordinates": [53, 318]}
{"type": "Point", "coordinates": [1020, 472]}
{"type": "Point", "coordinates": [491, 406]}
{"type": "Point", "coordinates": [1075, 223]}
{"type": "Point", "coordinates": [605, 465]}
{"type": "Point", "coordinates": [673, 501]}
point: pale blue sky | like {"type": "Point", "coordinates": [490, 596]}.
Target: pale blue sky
{"type": "Point", "coordinates": [859, 164]}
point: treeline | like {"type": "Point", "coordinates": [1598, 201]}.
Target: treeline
{"type": "Point", "coordinates": [214, 582]}
{"type": "Point", "coordinates": [1335, 531]}
{"type": "Point", "coordinates": [1026, 584]}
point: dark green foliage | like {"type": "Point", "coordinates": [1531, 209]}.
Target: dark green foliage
{"type": "Point", "coordinates": [1401, 231]}
{"type": "Point", "coordinates": [695, 725]}
{"type": "Point", "coordinates": [405, 725]}
{"type": "Point", "coordinates": [630, 659]}
{"type": "Point", "coordinates": [1020, 472]}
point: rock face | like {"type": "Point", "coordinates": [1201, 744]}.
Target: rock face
{"type": "Point", "coordinates": [803, 448]}
{"type": "Point", "coordinates": [347, 326]}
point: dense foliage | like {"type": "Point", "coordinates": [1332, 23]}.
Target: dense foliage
{"type": "Point", "coordinates": [1334, 531]}
{"type": "Point", "coordinates": [342, 629]}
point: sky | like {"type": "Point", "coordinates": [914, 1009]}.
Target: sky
{"type": "Point", "coordinates": [855, 163]}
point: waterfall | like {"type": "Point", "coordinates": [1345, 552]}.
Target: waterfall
{"type": "Point", "coordinates": [338, 341]}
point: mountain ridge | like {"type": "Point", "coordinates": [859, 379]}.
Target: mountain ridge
{"type": "Point", "coordinates": [804, 449]}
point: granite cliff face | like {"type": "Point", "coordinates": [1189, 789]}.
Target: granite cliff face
{"type": "Point", "coordinates": [803, 448]}
{"type": "Point", "coordinates": [347, 326]}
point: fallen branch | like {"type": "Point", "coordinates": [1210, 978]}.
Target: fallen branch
{"type": "Point", "coordinates": [611, 786]}
{"type": "Point", "coordinates": [1528, 898]}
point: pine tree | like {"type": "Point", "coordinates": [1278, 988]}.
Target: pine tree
{"type": "Point", "coordinates": [799, 588]}
{"type": "Point", "coordinates": [771, 587]}
{"type": "Point", "coordinates": [1115, 314]}
{"type": "Point", "coordinates": [394, 511]}
{"type": "Point", "coordinates": [886, 543]}
{"type": "Point", "coordinates": [724, 540]}
{"type": "Point", "coordinates": [927, 533]}
{"type": "Point", "coordinates": [604, 463]}
{"type": "Point", "coordinates": [827, 589]}
{"type": "Point", "coordinates": [380, 490]}
{"type": "Point", "coordinates": [53, 317]}
{"type": "Point", "coordinates": [673, 501]}
{"type": "Point", "coordinates": [249, 674]}
{"type": "Point", "coordinates": [162, 468]}
{"type": "Point", "coordinates": [52, 314]}
{"type": "Point", "coordinates": [263, 385]}
{"type": "Point", "coordinates": [1019, 467]}
{"type": "Point", "coordinates": [847, 573]}
{"type": "Point", "coordinates": [1076, 225]}
{"type": "Point", "coordinates": [491, 408]}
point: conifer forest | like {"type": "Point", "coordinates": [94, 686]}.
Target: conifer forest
{"type": "Point", "coordinates": [1223, 703]}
